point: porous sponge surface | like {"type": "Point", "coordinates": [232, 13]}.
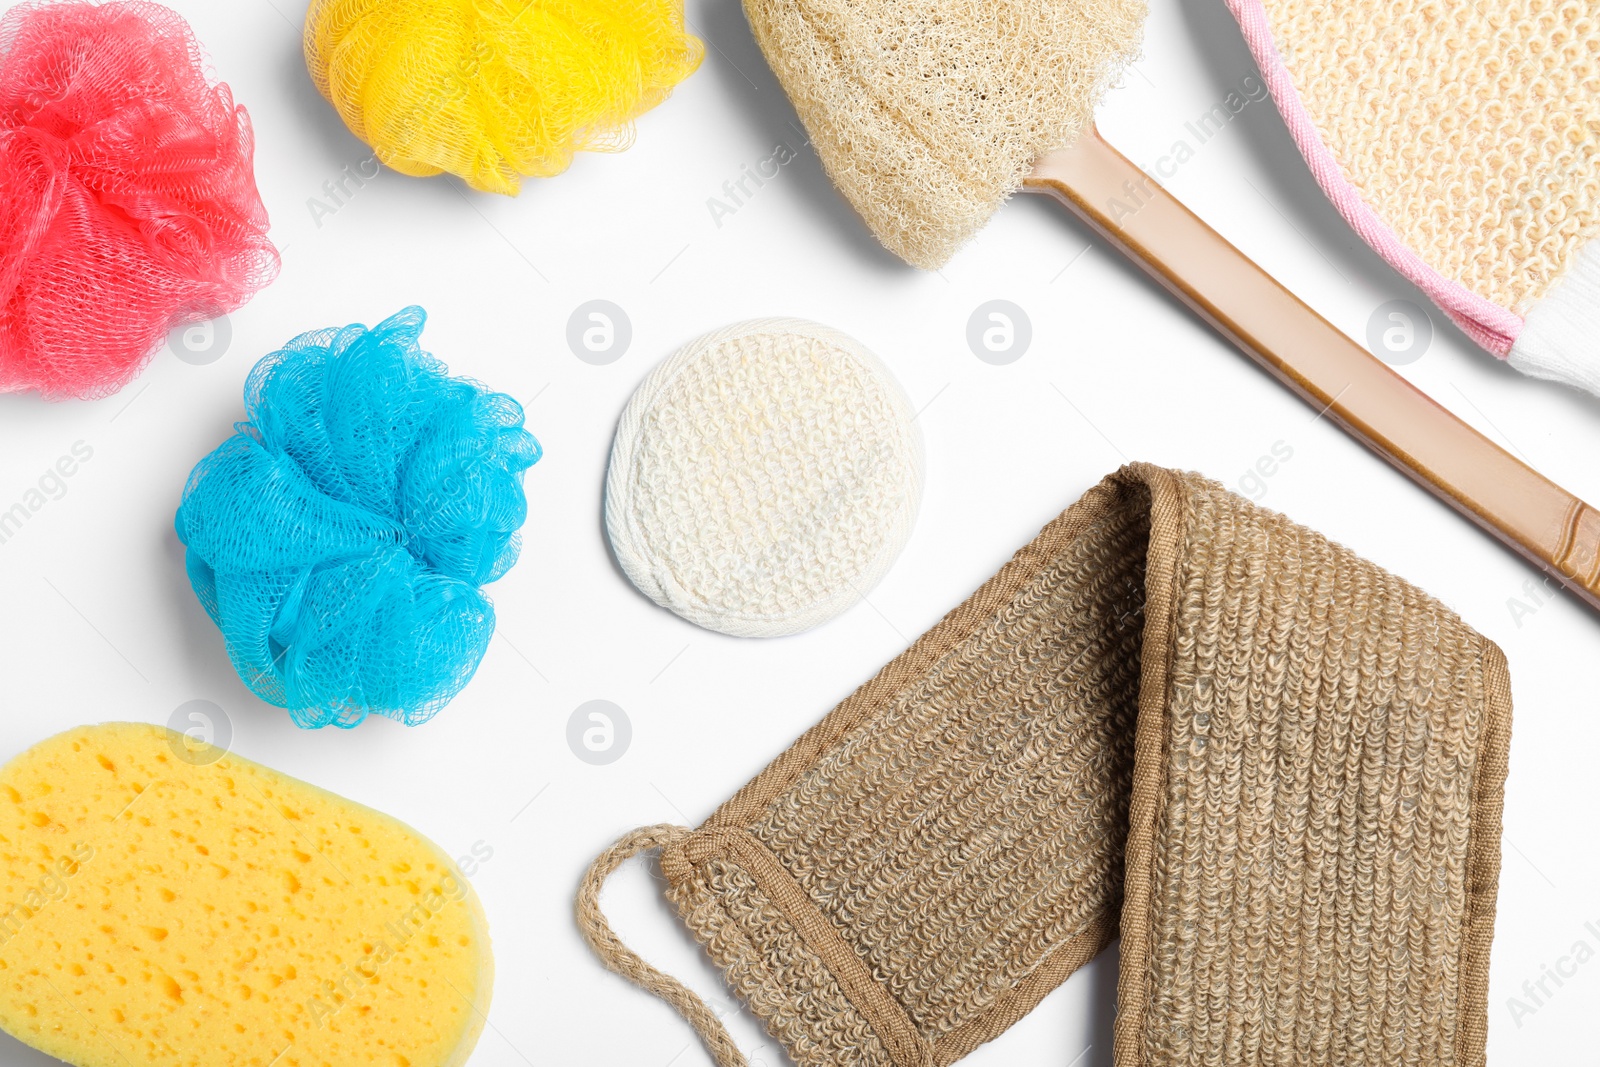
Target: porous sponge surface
{"type": "Point", "coordinates": [159, 909]}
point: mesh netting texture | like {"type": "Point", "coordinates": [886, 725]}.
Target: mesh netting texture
{"type": "Point", "coordinates": [128, 202]}
{"type": "Point", "coordinates": [340, 537]}
{"type": "Point", "coordinates": [494, 90]}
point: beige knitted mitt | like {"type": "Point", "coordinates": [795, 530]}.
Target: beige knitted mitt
{"type": "Point", "coordinates": [1461, 141]}
{"type": "Point", "coordinates": [1280, 766]}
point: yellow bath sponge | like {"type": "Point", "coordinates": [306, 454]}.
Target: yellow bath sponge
{"type": "Point", "coordinates": [163, 905]}
{"type": "Point", "coordinates": [491, 90]}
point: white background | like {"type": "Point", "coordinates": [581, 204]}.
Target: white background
{"type": "Point", "coordinates": [97, 621]}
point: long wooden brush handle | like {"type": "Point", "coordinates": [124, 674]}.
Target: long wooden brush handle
{"type": "Point", "coordinates": [1548, 525]}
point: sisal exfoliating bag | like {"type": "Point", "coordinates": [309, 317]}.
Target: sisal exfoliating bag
{"type": "Point", "coordinates": [1277, 768]}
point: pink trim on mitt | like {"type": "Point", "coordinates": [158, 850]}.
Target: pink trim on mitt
{"type": "Point", "coordinates": [1486, 322]}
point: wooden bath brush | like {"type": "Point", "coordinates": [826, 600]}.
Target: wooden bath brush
{"type": "Point", "coordinates": [929, 114]}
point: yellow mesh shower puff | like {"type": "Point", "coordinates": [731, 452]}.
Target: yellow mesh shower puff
{"type": "Point", "coordinates": [494, 90]}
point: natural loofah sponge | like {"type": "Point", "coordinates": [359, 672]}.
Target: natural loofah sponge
{"type": "Point", "coordinates": [340, 537]}
{"type": "Point", "coordinates": [172, 905]}
{"type": "Point", "coordinates": [928, 114]}
{"type": "Point", "coordinates": [128, 203]}
{"type": "Point", "coordinates": [492, 90]}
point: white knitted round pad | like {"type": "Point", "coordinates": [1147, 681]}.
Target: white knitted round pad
{"type": "Point", "coordinates": [764, 478]}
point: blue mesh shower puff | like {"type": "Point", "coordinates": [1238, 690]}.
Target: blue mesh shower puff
{"type": "Point", "coordinates": [339, 538]}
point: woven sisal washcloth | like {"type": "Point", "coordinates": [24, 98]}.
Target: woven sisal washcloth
{"type": "Point", "coordinates": [1274, 767]}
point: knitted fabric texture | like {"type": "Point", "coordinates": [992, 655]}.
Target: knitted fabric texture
{"type": "Point", "coordinates": [1471, 130]}
{"type": "Point", "coordinates": [128, 201]}
{"type": "Point", "coordinates": [1281, 766]}
{"type": "Point", "coordinates": [340, 538]}
{"type": "Point", "coordinates": [928, 114]}
{"type": "Point", "coordinates": [764, 478]}
{"type": "Point", "coordinates": [494, 90]}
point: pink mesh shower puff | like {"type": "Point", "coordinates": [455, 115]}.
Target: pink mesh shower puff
{"type": "Point", "coordinates": [128, 200]}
